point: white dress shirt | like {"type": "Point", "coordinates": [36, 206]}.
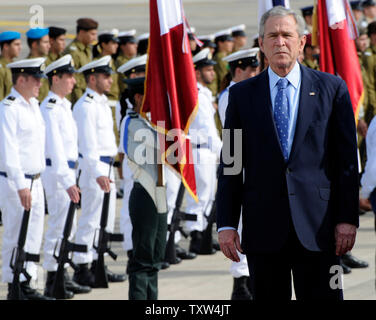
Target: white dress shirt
{"type": "Point", "coordinates": [22, 138]}
{"type": "Point", "coordinates": [96, 136]}
{"type": "Point", "coordinates": [223, 102]}
{"type": "Point", "coordinates": [61, 138]}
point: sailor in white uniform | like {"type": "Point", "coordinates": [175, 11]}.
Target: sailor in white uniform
{"type": "Point", "coordinates": [22, 137]}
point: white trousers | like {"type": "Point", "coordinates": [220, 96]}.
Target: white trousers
{"type": "Point", "coordinates": [205, 172]}
{"type": "Point", "coordinates": [58, 203]}
{"type": "Point", "coordinates": [240, 269]}
{"type": "Point", "coordinates": [12, 213]}
{"type": "Point", "coordinates": [89, 220]}
{"type": "Point", "coordinates": [125, 220]}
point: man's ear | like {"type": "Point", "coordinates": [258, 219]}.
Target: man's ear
{"type": "Point", "coordinates": [261, 44]}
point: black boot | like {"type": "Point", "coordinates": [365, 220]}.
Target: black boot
{"type": "Point", "coordinates": [111, 277]}
{"type": "Point", "coordinates": [49, 286]}
{"type": "Point", "coordinates": [83, 275]}
{"type": "Point", "coordinates": [32, 294]}
{"type": "Point", "coordinates": [184, 254]}
{"type": "Point", "coordinates": [74, 286]}
{"type": "Point", "coordinates": [196, 245]}
{"type": "Point", "coordinates": [240, 289]}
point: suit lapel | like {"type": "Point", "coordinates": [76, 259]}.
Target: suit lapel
{"type": "Point", "coordinates": [307, 104]}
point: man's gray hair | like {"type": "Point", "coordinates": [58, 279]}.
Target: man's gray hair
{"type": "Point", "coordinates": [280, 11]}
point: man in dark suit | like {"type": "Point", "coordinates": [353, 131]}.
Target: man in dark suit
{"type": "Point", "coordinates": [298, 187]}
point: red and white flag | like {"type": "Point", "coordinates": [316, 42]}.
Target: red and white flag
{"type": "Point", "coordinates": [171, 94]}
{"type": "Point", "coordinates": [336, 31]}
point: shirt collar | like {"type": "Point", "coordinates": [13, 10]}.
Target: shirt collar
{"type": "Point", "coordinates": [17, 95]}
{"type": "Point", "coordinates": [96, 95]}
{"type": "Point", "coordinates": [293, 76]}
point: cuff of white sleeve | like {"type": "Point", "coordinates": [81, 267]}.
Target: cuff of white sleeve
{"type": "Point", "coordinates": [226, 228]}
{"type": "Point", "coordinates": [365, 192]}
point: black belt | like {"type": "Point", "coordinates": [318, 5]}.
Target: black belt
{"type": "Point", "coordinates": [27, 176]}
{"type": "Point", "coordinates": [105, 159]}
{"type": "Point", "coordinates": [71, 164]}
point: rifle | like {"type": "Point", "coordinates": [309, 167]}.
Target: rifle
{"type": "Point", "coordinates": [207, 234]}
{"type": "Point", "coordinates": [66, 247]}
{"type": "Point", "coordinates": [177, 216]}
{"type": "Point", "coordinates": [19, 257]}
{"type": "Point", "coordinates": [104, 237]}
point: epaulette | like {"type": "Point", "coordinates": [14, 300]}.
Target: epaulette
{"type": "Point", "coordinates": [9, 100]}
{"type": "Point", "coordinates": [89, 97]}
{"type": "Point", "coordinates": [51, 103]}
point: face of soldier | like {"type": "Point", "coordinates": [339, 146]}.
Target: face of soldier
{"type": "Point", "coordinates": [33, 85]}
{"type": "Point", "coordinates": [370, 12]}
{"type": "Point", "coordinates": [44, 45]}
{"type": "Point", "coordinates": [281, 43]}
{"type": "Point", "coordinates": [240, 42]}
{"type": "Point", "coordinates": [88, 37]}
{"type": "Point", "coordinates": [103, 83]}
{"type": "Point", "coordinates": [58, 44]}
{"type": "Point", "coordinates": [63, 85]}
{"type": "Point", "coordinates": [15, 48]}
{"type": "Point", "coordinates": [226, 46]}
{"type": "Point", "coordinates": [206, 75]}
{"type": "Point", "coordinates": [362, 43]}
{"type": "Point", "coordinates": [129, 49]}
{"type": "Point", "coordinates": [109, 48]}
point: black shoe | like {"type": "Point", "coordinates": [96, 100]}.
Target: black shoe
{"type": "Point", "coordinates": [240, 289]}
{"type": "Point", "coordinates": [196, 244]}
{"type": "Point", "coordinates": [73, 286]}
{"type": "Point", "coordinates": [165, 265]}
{"type": "Point", "coordinates": [115, 277]}
{"type": "Point", "coordinates": [346, 269]}
{"type": "Point", "coordinates": [216, 245]}
{"type": "Point", "coordinates": [119, 194]}
{"type": "Point", "coordinates": [20, 295]}
{"type": "Point", "coordinates": [48, 290]}
{"type": "Point", "coordinates": [32, 294]}
{"type": "Point", "coordinates": [349, 260]}
{"type": "Point", "coordinates": [111, 277]}
{"type": "Point", "coordinates": [84, 276]}
{"type": "Point", "coordinates": [184, 254]}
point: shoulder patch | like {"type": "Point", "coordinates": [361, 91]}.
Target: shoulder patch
{"type": "Point", "coordinates": [9, 100]}
{"type": "Point", "coordinates": [367, 53]}
{"type": "Point", "coordinates": [89, 98]}
{"type": "Point", "coordinates": [72, 48]}
{"type": "Point", "coordinates": [51, 103]}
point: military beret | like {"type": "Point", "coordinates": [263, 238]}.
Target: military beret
{"type": "Point", "coordinates": [56, 32]}
{"type": "Point", "coordinates": [9, 36]}
{"type": "Point", "coordinates": [368, 3]}
{"type": "Point", "coordinates": [371, 29]}
{"type": "Point", "coordinates": [87, 24]}
{"type": "Point", "coordinates": [37, 33]}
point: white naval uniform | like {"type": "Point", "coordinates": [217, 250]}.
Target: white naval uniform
{"type": "Point", "coordinates": [237, 269]}
{"type": "Point", "coordinates": [22, 137]}
{"type": "Point", "coordinates": [203, 132]}
{"type": "Point", "coordinates": [125, 220]}
{"type": "Point", "coordinates": [368, 180]}
{"type": "Point", "coordinates": [96, 138]}
{"type": "Point", "coordinates": [61, 147]}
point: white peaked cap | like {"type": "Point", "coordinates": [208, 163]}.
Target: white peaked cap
{"type": "Point", "coordinates": [241, 54]}
{"type": "Point", "coordinates": [133, 63]}
{"type": "Point", "coordinates": [96, 64]}
{"type": "Point", "coordinates": [64, 63]}
{"type": "Point", "coordinates": [129, 33]}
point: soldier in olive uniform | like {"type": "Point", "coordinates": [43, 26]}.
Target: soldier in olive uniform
{"type": "Point", "coordinates": [309, 59]}
{"type": "Point", "coordinates": [57, 44]}
{"type": "Point", "coordinates": [10, 45]}
{"type": "Point", "coordinates": [127, 50]}
{"type": "Point", "coordinates": [81, 52]}
{"type": "Point", "coordinates": [225, 45]}
{"type": "Point", "coordinates": [369, 62]}
{"type": "Point", "coordinates": [38, 41]}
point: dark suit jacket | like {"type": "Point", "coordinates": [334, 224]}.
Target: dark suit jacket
{"type": "Point", "coordinates": [317, 188]}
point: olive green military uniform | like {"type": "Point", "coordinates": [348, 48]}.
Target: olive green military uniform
{"type": "Point", "coordinates": [5, 78]}
{"type": "Point", "coordinates": [81, 55]}
{"type": "Point", "coordinates": [45, 88]}
{"type": "Point", "coordinates": [213, 87]}
{"type": "Point", "coordinates": [368, 64]}
{"type": "Point", "coordinates": [311, 64]}
{"type": "Point", "coordinates": [221, 68]}
{"type": "Point", "coordinates": [51, 57]}
{"type": "Point", "coordinates": [120, 60]}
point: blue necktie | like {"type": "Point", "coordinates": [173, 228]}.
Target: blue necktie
{"type": "Point", "coordinates": [281, 116]}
